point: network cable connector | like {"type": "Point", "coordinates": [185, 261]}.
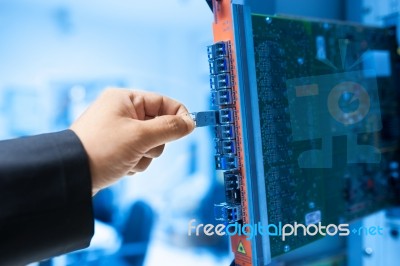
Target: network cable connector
{"type": "Point", "coordinates": [205, 118]}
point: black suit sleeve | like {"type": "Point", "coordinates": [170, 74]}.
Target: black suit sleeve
{"type": "Point", "coordinates": [45, 197]}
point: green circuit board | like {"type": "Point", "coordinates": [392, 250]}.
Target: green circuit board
{"type": "Point", "coordinates": [329, 117]}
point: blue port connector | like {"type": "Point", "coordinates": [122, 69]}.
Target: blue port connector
{"type": "Point", "coordinates": [226, 116]}
{"type": "Point", "coordinates": [226, 162]}
{"type": "Point", "coordinates": [225, 147]}
{"type": "Point", "coordinates": [220, 82]}
{"type": "Point", "coordinates": [227, 213]}
{"type": "Point", "coordinates": [232, 180]}
{"type": "Point", "coordinates": [224, 81]}
{"type": "Point", "coordinates": [224, 97]}
{"type": "Point", "coordinates": [220, 65]}
{"type": "Point", "coordinates": [232, 187]}
{"type": "Point", "coordinates": [219, 49]}
{"type": "Point", "coordinates": [225, 132]}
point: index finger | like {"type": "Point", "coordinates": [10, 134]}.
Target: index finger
{"type": "Point", "coordinates": [152, 104]}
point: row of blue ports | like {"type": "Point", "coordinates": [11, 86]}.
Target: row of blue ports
{"type": "Point", "coordinates": [220, 78]}
{"type": "Point", "coordinates": [222, 98]}
{"type": "Point", "coordinates": [221, 83]}
{"type": "Point", "coordinates": [231, 210]}
{"type": "Point", "coordinates": [225, 158]}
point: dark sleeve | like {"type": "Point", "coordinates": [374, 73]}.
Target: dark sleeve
{"type": "Point", "coordinates": [45, 197]}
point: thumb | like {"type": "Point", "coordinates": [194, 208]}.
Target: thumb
{"type": "Point", "coordinates": [166, 128]}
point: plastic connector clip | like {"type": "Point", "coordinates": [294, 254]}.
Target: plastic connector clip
{"type": "Point", "coordinates": [206, 118]}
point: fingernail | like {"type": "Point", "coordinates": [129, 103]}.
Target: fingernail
{"type": "Point", "coordinates": [189, 120]}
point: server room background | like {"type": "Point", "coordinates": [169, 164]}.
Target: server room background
{"type": "Point", "coordinates": [57, 56]}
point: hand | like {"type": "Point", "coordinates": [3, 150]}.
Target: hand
{"type": "Point", "coordinates": [123, 130]}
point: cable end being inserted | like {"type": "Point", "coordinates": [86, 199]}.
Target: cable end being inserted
{"type": "Point", "coordinates": [205, 118]}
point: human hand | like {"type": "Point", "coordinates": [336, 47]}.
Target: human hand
{"type": "Point", "coordinates": [123, 130]}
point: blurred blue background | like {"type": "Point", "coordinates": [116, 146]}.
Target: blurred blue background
{"type": "Point", "coordinates": [57, 56]}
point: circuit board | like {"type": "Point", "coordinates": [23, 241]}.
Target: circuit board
{"type": "Point", "coordinates": [328, 105]}
{"type": "Point", "coordinates": [307, 130]}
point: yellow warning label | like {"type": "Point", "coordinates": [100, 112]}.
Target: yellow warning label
{"type": "Point", "coordinates": [240, 248]}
